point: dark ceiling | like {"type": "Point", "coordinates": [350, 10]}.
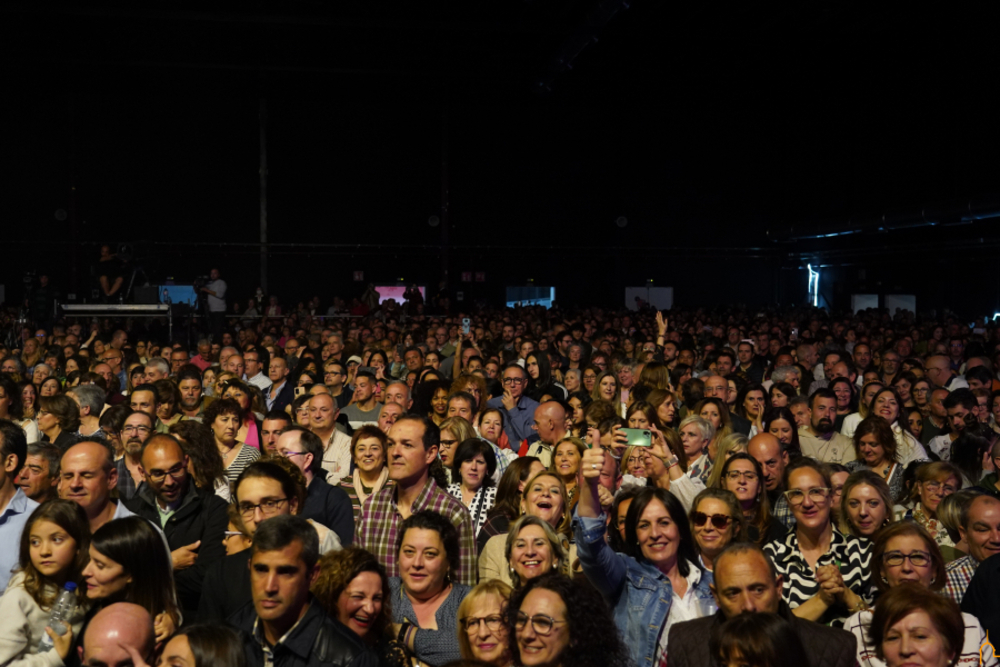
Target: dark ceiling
{"type": "Point", "coordinates": [705, 124]}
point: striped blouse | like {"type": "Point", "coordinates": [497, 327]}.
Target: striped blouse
{"type": "Point", "coordinates": [851, 554]}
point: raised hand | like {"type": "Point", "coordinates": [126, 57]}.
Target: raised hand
{"type": "Point", "coordinates": [592, 463]}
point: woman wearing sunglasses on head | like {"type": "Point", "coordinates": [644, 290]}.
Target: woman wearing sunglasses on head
{"type": "Point", "coordinates": [824, 572]}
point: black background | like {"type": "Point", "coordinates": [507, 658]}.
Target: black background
{"type": "Point", "coordinates": [723, 133]}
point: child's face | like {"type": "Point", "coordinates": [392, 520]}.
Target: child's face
{"type": "Point", "coordinates": [52, 550]}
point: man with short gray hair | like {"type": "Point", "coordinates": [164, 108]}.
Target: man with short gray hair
{"type": "Point", "coordinates": [40, 474]}
{"type": "Point", "coordinates": [90, 399]}
{"type": "Point", "coordinates": [157, 368]}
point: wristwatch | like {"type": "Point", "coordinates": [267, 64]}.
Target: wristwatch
{"type": "Point", "coordinates": [671, 461]}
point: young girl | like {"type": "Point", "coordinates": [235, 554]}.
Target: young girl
{"type": "Point", "coordinates": [54, 550]}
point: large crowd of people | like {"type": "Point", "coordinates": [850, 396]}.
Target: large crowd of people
{"type": "Point", "coordinates": [407, 484]}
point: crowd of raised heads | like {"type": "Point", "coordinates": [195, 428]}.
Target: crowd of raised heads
{"type": "Point", "coordinates": [402, 485]}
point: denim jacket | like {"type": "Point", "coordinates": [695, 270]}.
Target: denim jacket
{"type": "Point", "coordinates": [639, 595]}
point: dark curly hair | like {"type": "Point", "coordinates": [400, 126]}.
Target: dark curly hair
{"type": "Point", "coordinates": [222, 406]}
{"type": "Point", "coordinates": [337, 569]}
{"type": "Point", "coordinates": [593, 640]}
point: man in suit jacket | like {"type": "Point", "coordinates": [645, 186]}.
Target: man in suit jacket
{"type": "Point", "coordinates": [745, 583]}
{"type": "Point", "coordinates": [281, 394]}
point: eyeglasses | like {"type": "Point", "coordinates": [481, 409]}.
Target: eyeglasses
{"type": "Point", "coordinates": [287, 453]}
{"type": "Point", "coordinates": [934, 487]}
{"type": "Point", "coordinates": [916, 558]}
{"type": "Point", "coordinates": [231, 533]}
{"type": "Point", "coordinates": [719, 521]}
{"type": "Point", "coordinates": [472, 624]}
{"type": "Point", "coordinates": [736, 475]}
{"type": "Point", "coordinates": [448, 443]}
{"type": "Point", "coordinates": [157, 476]}
{"type": "Point", "coordinates": [266, 507]}
{"type": "Point", "coordinates": [513, 381]}
{"type": "Point", "coordinates": [136, 429]}
{"type": "Point", "coordinates": [796, 497]}
{"type": "Point", "coordinates": [540, 623]}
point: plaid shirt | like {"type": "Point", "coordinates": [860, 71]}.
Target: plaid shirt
{"type": "Point", "coordinates": [378, 529]}
{"type": "Point", "coordinates": [783, 513]}
{"type": "Point", "coordinates": [126, 485]}
{"type": "Point", "coordinates": [959, 575]}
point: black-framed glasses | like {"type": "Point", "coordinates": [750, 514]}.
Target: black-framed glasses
{"type": "Point", "coordinates": [513, 381]}
{"type": "Point", "coordinates": [720, 521]}
{"type": "Point", "coordinates": [540, 623]}
{"type": "Point", "coordinates": [816, 494]}
{"type": "Point", "coordinates": [448, 443]}
{"type": "Point", "coordinates": [471, 624]}
{"type": "Point", "coordinates": [916, 558]}
{"type": "Point", "coordinates": [177, 472]}
{"type": "Point", "coordinates": [287, 453]}
{"type": "Point", "coordinates": [267, 507]}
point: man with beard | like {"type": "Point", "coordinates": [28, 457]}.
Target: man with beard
{"type": "Point", "coordinates": [820, 440]}
{"type": "Point", "coordinates": [193, 522]}
{"type": "Point", "coordinates": [138, 427]}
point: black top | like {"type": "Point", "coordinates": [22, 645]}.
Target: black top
{"type": "Point", "coordinates": [981, 599]}
{"type": "Point", "coordinates": [201, 517]}
{"type": "Point", "coordinates": [826, 646]}
{"type": "Point", "coordinates": [316, 640]}
{"type": "Point", "coordinates": [330, 506]}
{"type": "Point", "coordinates": [226, 589]}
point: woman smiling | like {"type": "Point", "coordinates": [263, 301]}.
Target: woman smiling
{"type": "Point", "coordinates": [424, 598]}
{"type": "Point", "coordinates": [545, 497]}
{"type": "Point", "coordinates": [875, 447]}
{"type": "Point", "coordinates": [482, 632]}
{"type": "Point", "coordinates": [658, 581]}
{"type": "Point", "coordinates": [824, 572]}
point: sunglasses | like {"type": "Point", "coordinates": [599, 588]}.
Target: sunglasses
{"type": "Point", "coordinates": [720, 521]}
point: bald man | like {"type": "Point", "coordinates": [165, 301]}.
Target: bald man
{"type": "Point", "coordinates": [718, 387]}
{"type": "Point", "coordinates": [119, 635]}
{"type": "Point", "coordinates": [768, 452]}
{"type": "Point", "coordinates": [87, 475]}
{"type": "Point", "coordinates": [193, 521]}
{"type": "Point", "coordinates": [550, 421]}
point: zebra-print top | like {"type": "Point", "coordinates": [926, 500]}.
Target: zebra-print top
{"type": "Point", "coordinates": [851, 554]}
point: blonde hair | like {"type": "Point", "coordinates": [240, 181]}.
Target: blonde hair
{"type": "Point", "coordinates": [565, 524]}
{"type": "Point", "coordinates": [735, 443]}
{"type": "Point", "coordinates": [488, 588]}
{"type": "Point", "coordinates": [558, 542]}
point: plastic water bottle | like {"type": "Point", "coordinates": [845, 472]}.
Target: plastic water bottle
{"type": "Point", "coordinates": [62, 610]}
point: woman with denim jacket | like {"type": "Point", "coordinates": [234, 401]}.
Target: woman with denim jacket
{"type": "Point", "coordinates": [657, 582]}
